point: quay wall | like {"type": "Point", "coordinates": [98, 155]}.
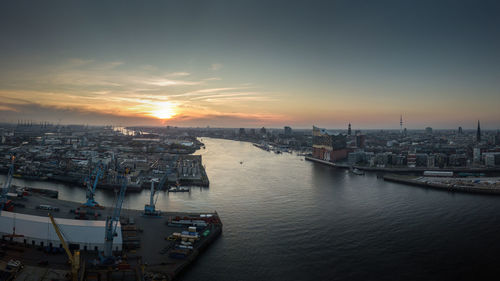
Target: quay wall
{"type": "Point", "coordinates": [403, 169]}
{"type": "Point", "coordinates": [443, 186]}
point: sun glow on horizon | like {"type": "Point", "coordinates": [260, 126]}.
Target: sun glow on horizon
{"type": "Point", "coordinates": [164, 110]}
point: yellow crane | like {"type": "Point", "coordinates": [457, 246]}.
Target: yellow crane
{"type": "Point", "coordinates": [74, 259]}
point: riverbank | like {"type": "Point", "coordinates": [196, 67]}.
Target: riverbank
{"type": "Point", "coordinates": [445, 184]}
{"type": "Point", "coordinates": [403, 169]}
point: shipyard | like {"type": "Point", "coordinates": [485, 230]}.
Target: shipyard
{"type": "Point", "coordinates": [45, 238]}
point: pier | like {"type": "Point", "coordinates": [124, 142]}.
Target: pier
{"type": "Point", "coordinates": [153, 248]}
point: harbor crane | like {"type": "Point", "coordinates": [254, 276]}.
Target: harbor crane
{"type": "Point", "coordinates": [150, 209]}
{"type": "Point", "coordinates": [91, 203]}
{"type": "Point", "coordinates": [112, 223]}
{"type": "Point", "coordinates": [4, 202]}
{"type": "Point", "coordinates": [74, 258]}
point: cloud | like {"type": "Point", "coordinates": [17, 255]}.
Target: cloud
{"type": "Point", "coordinates": [76, 88]}
{"type": "Point", "coordinates": [215, 66]}
{"type": "Point", "coordinates": [168, 82]}
{"type": "Point", "coordinates": [180, 74]}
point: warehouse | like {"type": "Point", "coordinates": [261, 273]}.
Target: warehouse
{"type": "Point", "coordinates": [36, 230]}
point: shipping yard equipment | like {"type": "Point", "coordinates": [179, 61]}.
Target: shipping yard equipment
{"type": "Point", "coordinates": [91, 203]}
{"type": "Point", "coordinates": [6, 204]}
{"type": "Point", "coordinates": [74, 258]}
{"type": "Point", "coordinates": [150, 210]}
{"type": "Point", "coordinates": [112, 224]}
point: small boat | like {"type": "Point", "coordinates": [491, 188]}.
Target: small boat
{"type": "Point", "coordinates": [358, 172]}
{"type": "Point", "coordinates": [178, 189]}
{"type": "Point", "coordinates": [241, 162]}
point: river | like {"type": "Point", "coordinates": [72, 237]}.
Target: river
{"type": "Point", "coordinates": [289, 219]}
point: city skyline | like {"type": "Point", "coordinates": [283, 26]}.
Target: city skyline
{"type": "Point", "coordinates": [224, 64]}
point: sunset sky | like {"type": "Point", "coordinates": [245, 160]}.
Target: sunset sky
{"type": "Point", "coordinates": [251, 63]}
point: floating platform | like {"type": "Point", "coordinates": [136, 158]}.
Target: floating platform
{"type": "Point", "coordinates": [153, 247]}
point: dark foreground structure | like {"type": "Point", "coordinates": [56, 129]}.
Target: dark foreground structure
{"type": "Point", "coordinates": [147, 247]}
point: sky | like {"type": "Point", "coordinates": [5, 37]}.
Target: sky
{"type": "Point", "coordinates": [251, 63]}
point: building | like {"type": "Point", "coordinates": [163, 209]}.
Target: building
{"type": "Point", "coordinates": [288, 131]}
{"type": "Point", "coordinates": [360, 140]}
{"type": "Point", "coordinates": [358, 157]}
{"type": "Point", "coordinates": [411, 160]}
{"type": "Point", "coordinates": [329, 146]}
{"type": "Point", "coordinates": [36, 230]}
{"type": "Point", "coordinates": [476, 155]}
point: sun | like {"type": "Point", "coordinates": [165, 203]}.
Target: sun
{"type": "Point", "coordinates": [164, 110]}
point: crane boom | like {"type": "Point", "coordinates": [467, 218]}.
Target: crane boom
{"type": "Point", "coordinates": [163, 181]}
{"type": "Point", "coordinates": [150, 210]}
{"type": "Point", "coordinates": [112, 222]}
{"type": "Point", "coordinates": [74, 259]}
{"type": "Point", "coordinates": [91, 188]}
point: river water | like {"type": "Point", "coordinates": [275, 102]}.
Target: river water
{"type": "Point", "coordinates": [289, 219]}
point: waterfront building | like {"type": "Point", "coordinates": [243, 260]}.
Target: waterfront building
{"type": "Point", "coordinates": [476, 155]}
{"type": "Point", "coordinates": [411, 160]}
{"type": "Point", "coordinates": [357, 157]}
{"type": "Point", "coordinates": [329, 146]}
{"type": "Point", "coordinates": [36, 230]}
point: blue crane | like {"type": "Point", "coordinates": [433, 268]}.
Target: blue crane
{"type": "Point", "coordinates": [92, 187]}
{"type": "Point", "coordinates": [149, 209]}
{"type": "Point", "coordinates": [6, 186]}
{"type": "Point", "coordinates": [112, 224]}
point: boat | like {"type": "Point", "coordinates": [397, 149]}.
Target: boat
{"type": "Point", "coordinates": [178, 189]}
{"type": "Point", "coordinates": [358, 172]}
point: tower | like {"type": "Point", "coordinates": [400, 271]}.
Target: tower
{"type": "Point", "coordinates": [401, 124]}
{"type": "Point", "coordinates": [478, 133]}
{"type": "Point", "coordinates": [349, 129]}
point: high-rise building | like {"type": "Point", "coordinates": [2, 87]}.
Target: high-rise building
{"type": "Point", "coordinates": [288, 131]}
{"type": "Point", "coordinates": [478, 133]}
{"type": "Point", "coordinates": [460, 131]}
{"type": "Point", "coordinates": [349, 129]}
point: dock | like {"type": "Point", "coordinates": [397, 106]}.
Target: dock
{"type": "Point", "coordinates": [150, 249]}
{"type": "Point", "coordinates": [445, 184]}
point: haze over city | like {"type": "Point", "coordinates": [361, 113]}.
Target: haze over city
{"type": "Point", "coordinates": [251, 64]}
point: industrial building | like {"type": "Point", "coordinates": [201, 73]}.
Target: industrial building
{"type": "Point", "coordinates": [37, 230]}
